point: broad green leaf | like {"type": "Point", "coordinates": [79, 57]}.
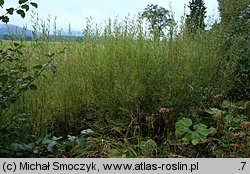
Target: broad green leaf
{"type": "Point", "coordinates": [67, 146]}
{"type": "Point", "coordinates": [81, 142]}
{"type": "Point", "coordinates": [200, 134]}
{"type": "Point", "coordinates": [46, 141]}
{"type": "Point", "coordinates": [195, 141]}
{"type": "Point", "coordinates": [14, 146]}
{"type": "Point", "coordinates": [26, 7]}
{"type": "Point", "coordinates": [25, 147]}
{"type": "Point", "coordinates": [86, 131]}
{"type": "Point", "coordinates": [21, 13]}
{"type": "Point", "coordinates": [182, 126]}
{"type": "Point", "coordinates": [34, 4]}
{"type": "Point", "coordinates": [56, 138]}
{"type": "Point", "coordinates": [22, 1]}
{"type": "Point", "coordinates": [52, 146]}
{"type": "Point", "coordinates": [215, 111]}
{"type": "Point", "coordinates": [71, 138]}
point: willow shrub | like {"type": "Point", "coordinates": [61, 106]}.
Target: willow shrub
{"type": "Point", "coordinates": [119, 72]}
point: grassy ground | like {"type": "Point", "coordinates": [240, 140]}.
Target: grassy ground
{"type": "Point", "coordinates": [131, 90]}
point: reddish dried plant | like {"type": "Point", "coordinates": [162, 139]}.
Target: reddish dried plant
{"type": "Point", "coordinates": [164, 110]}
{"type": "Point", "coordinates": [245, 124]}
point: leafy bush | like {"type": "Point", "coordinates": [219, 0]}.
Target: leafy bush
{"type": "Point", "coordinates": [16, 141]}
{"type": "Point", "coordinates": [232, 129]}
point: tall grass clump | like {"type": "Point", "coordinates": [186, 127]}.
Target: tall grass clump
{"type": "Point", "coordinates": [119, 75]}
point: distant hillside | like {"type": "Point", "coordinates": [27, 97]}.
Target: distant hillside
{"type": "Point", "coordinates": [13, 30]}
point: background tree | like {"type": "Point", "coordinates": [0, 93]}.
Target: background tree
{"type": "Point", "coordinates": [196, 19]}
{"type": "Point", "coordinates": [235, 25]}
{"type": "Point", "coordinates": [158, 17]}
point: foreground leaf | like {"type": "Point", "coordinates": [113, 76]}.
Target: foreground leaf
{"type": "Point", "coordinates": [21, 13]}
{"type": "Point", "coordinates": [182, 126]}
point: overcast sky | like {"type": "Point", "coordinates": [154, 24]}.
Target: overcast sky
{"type": "Point", "coordinates": [76, 11]}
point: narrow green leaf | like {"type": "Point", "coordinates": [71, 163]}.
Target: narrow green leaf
{"type": "Point", "coordinates": [5, 19]}
{"type": "Point", "coordinates": [33, 87]}
{"type": "Point", "coordinates": [28, 78]}
{"type": "Point", "coordinates": [34, 4]}
{"type": "Point", "coordinates": [16, 44]}
{"type": "Point", "coordinates": [50, 55]}
{"type": "Point", "coordinates": [21, 13]}
{"type": "Point", "coordinates": [26, 7]}
{"type": "Point", "coordinates": [1, 2]}
{"type": "Point", "coordinates": [53, 68]}
{"type": "Point", "coordinates": [22, 1]}
{"type": "Point", "coordinates": [10, 10]}
{"type": "Point", "coordinates": [39, 66]}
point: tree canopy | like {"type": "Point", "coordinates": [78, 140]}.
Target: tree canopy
{"type": "Point", "coordinates": [158, 17]}
{"type": "Point", "coordinates": [196, 19]}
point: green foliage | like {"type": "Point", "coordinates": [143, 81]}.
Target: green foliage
{"type": "Point", "coordinates": [195, 135]}
{"type": "Point", "coordinates": [215, 111]}
{"type": "Point", "coordinates": [158, 17]}
{"type": "Point", "coordinates": [235, 43]}
{"type": "Point", "coordinates": [24, 5]}
{"type": "Point", "coordinates": [29, 145]}
{"type": "Point", "coordinates": [15, 76]}
{"type": "Point", "coordinates": [196, 19]}
{"type": "Point", "coordinates": [232, 130]}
